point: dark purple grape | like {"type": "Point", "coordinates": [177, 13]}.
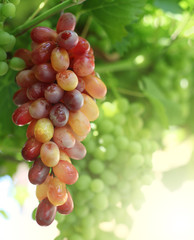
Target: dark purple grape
{"type": "Point", "coordinates": [73, 100]}
{"type": "Point", "coordinates": [59, 115]}
{"type": "Point", "coordinates": [45, 73]}
{"type": "Point", "coordinates": [31, 149]}
{"type": "Point", "coordinates": [53, 93]}
{"type": "Point", "coordinates": [38, 172]}
{"type": "Point", "coordinates": [45, 213]}
{"type": "Point", "coordinates": [67, 39]}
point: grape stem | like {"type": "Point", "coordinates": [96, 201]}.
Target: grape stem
{"type": "Point", "coordinates": [37, 11]}
{"type": "Point", "coordinates": [29, 24]}
{"type": "Point", "coordinates": [86, 27]}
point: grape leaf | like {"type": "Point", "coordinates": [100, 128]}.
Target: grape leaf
{"type": "Point", "coordinates": [114, 15]}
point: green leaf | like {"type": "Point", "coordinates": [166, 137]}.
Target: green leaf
{"type": "Point", "coordinates": [114, 16]}
{"type": "Point", "coordinates": [168, 5]}
{"type": "Point", "coordinates": [167, 111]}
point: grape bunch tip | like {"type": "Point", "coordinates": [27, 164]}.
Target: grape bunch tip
{"type": "Point", "coordinates": [58, 88]}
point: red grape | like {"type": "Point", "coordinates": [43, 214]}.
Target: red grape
{"type": "Point", "coordinates": [46, 212]}
{"type": "Point", "coordinates": [25, 78]}
{"type": "Point", "coordinates": [31, 149]}
{"type": "Point", "coordinates": [67, 207]}
{"type": "Point", "coordinates": [50, 154]}
{"type": "Point", "coordinates": [45, 73]}
{"type": "Point", "coordinates": [53, 93]}
{"type": "Point", "coordinates": [83, 66]}
{"type": "Point", "coordinates": [59, 115]}
{"type": "Point", "coordinates": [63, 138]}
{"type": "Point", "coordinates": [30, 129]}
{"type": "Point", "coordinates": [21, 115]}
{"type": "Point", "coordinates": [40, 108]}
{"type": "Point", "coordinates": [82, 47]}
{"type": "Point", "coordinates": [67, 39]}
{"type": "Point", "coordinates": [66, 172]}
{"type": "Point", "coordinates": [24, 54]}
{"type": "Point", "coordinates": [59, 59]}
{"type": "Point", "coordinates": [43, 34]}
{"type": "Point", "coordinates": [67, 80]}
{"type": "Point", "coordinates": [20, 97]}
{"type": "Point", "coordinates": [66, 21]}
{"type": "Point", "coordinates": [38, 172]}
{"type": "Point", "coordinates": [73, 100]}
{"type": "Point", "coordinates": [81, 85]}
{"type": "Point", "coordinates": [77, 152]}
{"type": "Point", "coordinates": [36, 90]}
{"type": "Point", "coordinates": [42, 53]}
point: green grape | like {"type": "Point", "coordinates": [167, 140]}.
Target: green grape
{"type": "Point", "coordinates": [119, 119]}
{"type": "Point", "coordinates": [100, 201]}
{"type": "Point", "coordinates": [106, 139]}
{"type": "Point", "coordinates": [137, 109]}
{"type": "Point", "coordinates": [4, 38]}
{"type": "Point", "coordinates": [110, 109]}
{"type": "Point", "coordinates": [99, 153]}
{"type": "Point", "coordinates": [109, 178]}
{"type": "Point", "coordinates": [122, 142]}
{"type": "Point", "coordinates": [8, 10]}
{"type": "Point", "coordinates": [96, 185]}
{"type": "Point", "coordinates": [3, 68]}
{"type": "Point", "coordinates": [15, 2]}
{"type": "Point", "coordinates": [136, 160]}
{"type": "Point", "coordinates": [134, 147]}
{"type": "Point", "coordinates": [124, 187]}
{"type": "Point", "coordinates": [88, 221]}
{"type": "Point", "coordinates": [3, 54]}
{"type": "Point", "coordinates": [88, 233]}
{"type": "Point", "coordinates": [111, 152]}
{"type": "Point", "coordinates": [91, 146]}
{"type": "Point", "coordinates": [34, 214]}
{"type": "Point", "coordinates": [83, 182]}
{"type": "Point", "coordinates": [82, 211]}
{"type": "Point", "coordinates": [118, 130]}
{"type": "Point", "coordinates": [17, 64]}
{"type": "Point", "coordinates": [96, 166]}
{"type": "Point", "coordinates": [123, 105]}
{"type": "Point", "coordinates": [10, 44]}
{"type": "Point", "coordinates": [106, 126]}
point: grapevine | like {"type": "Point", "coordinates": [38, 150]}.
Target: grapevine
{"type": "Point", "coordinates": [56, 98]}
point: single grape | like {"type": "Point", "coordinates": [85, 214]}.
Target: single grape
{"type": "Point", "coordinates": [3, 68]}
{"type": "Point", "coordinates": [53, 93]}
{"type": "Point", "coordinates": [67, 39]}
{"type": "Point", "coordinates": [67, 21]}
{"type": "Point", "coordinates": [43, 130]}
{"type": "Point", "coordinates": [38, 172]}
{"type": "Point", "coordinates": [42, 53]}
{"type": "Point", "coordinates": [50, 154]}
{"type": "Point", "coordinates": [40, 108]}
{"type": "Point", "coordinates": [59, 115]}
{"type": "Point", "coordinates": [63, 138]}
{"type": "Point", "coordinates": [36, 90]}
{"type": "Point", "coordinates": [73, 100]}
{"type": "Point", "coordinates": [81, 48]}
{"type": "Point", "coordinates": [43, 34]}
{"type": "Point", "coordinates": [20, 97]}
{"type": "Point", "coordinates": [67, 207]}
{"type": "Point", "coordinates": [109, 177]}
{"type": "Point", "coordinates": [100, 201]}
{"type": "Point", "coordinates": [59, 59]}
{"type": "Point", "coordinates": [3, 54]}
{"type": "Point", "coordinates": [31, 149]}
{"type": "Point", "coordinates": [45, 73]}
{"type": "Point", "coordinates": [89, 108]}
{"type": "Point", "coordinates": [66, 172]}
{"type": "Point", "coordinates": [81, 85]}
{"type": "Point", "coordinates": [79, 123]}
{"type": "Point", "coordinates": [95, 86]}
{"type": "Point", "coordinates": [83, 182]}
{"type": "Point", "coordinates": [83, 66]}
{"type": "Point", "coordinates": [96, 166]}
{"type": "Point", "coordinates": [67, 80]}
{"type": "Point", "coordinates": [21, 115]}
{"type": "Point", "coordinates": [96, 185]}
{"type": "Point", "coordinates": [77, 152]}
{"type": "Point", "coordinates": [17, 64]}
{"type": "Point", "coordinates": [4, 38]}
{"type": "Point", "coordinates": [25, 78]}
{"type": "Point", "coordinates": [46, 212]}
{"type": "Point", "coordinates": [8, 47]}
{"type": "Point", "coordinates": [57, 192]}
{"type": "Point", "coordinates": [8, 10]}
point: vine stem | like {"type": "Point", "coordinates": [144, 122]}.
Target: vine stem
{"type": "Point", "coordinates": [27, 25]}
{"type": "Point", "coordinates": [37, 10]}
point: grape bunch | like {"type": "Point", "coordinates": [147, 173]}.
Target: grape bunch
{"type": "Point", "coordinates": [56, 98]}
{"type": "Point", "coordinates": [7, 41]}
{"type": "Point", "coordinates": [118, 164]}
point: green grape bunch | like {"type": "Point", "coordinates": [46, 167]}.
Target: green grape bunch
{"type": "Point", "coordinates": [7, 41]}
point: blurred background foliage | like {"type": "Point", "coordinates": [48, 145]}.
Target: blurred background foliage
{"type": "Point", "coordinates": [144, 53]}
